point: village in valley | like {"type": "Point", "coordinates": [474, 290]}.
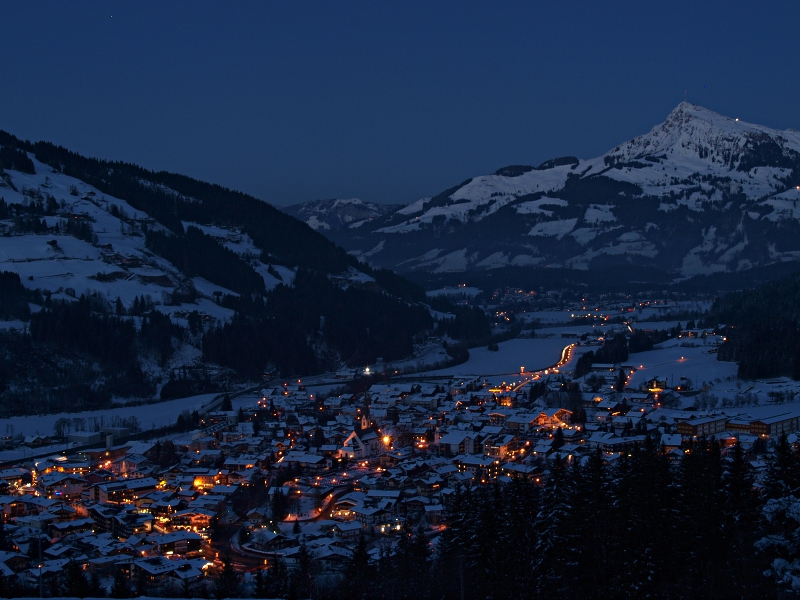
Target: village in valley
{"type": "Point", "coordinates": [299, 470]}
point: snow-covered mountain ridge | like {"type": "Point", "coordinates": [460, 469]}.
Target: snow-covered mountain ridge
{"type": "Point", "coordinates": [699, 193]}
{"type": "Point", "coordinates": [124, 280]}
{"type": "Point", "coordinates": [338, 212]}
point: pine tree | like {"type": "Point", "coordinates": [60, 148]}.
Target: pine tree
{"type": "Point", "coordinates": [278, 504]}
{"type": "Point", "coordinates": [553, 555]}
{"type": "Point", "coordinates": [743, 525]}
{"type": "Point", "coordinates": [453, 542]}
{"type": "Point", "coordinates": [649, 514]}
{"type": "Point", "coordinates": [358, 580]}
{"type": "Point", "coordinates": [227, 584]}
{"type": "Point", "coordinates": [277, 580]}
{"type": "Point", "coordinates": [481, 552]}
{"type": "Point", "coordinates": [699, 520]}
{"type": "Point", "coordinates": [95, 588]}
{"type": "Point", "coordinates": [517, 531]}
{"type": "Point", "coordinates": [595, 514]}
{"type": "Point", "coordinates": [186, 589]}
{"type": "Point", "coordinates": [619, 385]}
{"type": "Point", "coordinates": [302, 579]}
{"type": "Point", "coordinates": [784, 471]}
{"type": "Point", "coordinates": [410, 564]}
{"type": "Point", "coordinates": [259, 585]}
{"type": "Point", "coordinates": [74, 580]}
{"type": "Point", "coordinates": [558, 439]}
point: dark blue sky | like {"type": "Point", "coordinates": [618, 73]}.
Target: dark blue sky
{"type": "Point", "coordinates": [388, 102]}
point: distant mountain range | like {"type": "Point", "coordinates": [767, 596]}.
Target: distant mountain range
{"type": "Point", "coordinates": [699, 194]}
{"type": "Point", "coordinates": [328, 215]}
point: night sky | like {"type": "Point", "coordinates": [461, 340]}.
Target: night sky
{"type": "Point", "coordinates": [388, 102]}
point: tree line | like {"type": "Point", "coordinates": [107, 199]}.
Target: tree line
{"type": "Point", "coordinates": [638, 527]}
{"type": "Point", "coordinates": [171, 198]}
{"type": "Point", "coordinates": [198, 254]}
{"type": "Point", "coordinates": [293, 328]}
{"type": "Point", "coordinates": [763, 329]}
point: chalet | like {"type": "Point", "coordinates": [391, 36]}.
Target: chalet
{"type": "Point", "coordinates": [182, 543]}
{"type": "Point", "coordinates": [126, 490]}
{"type": "Point", "coordinates": [269, 541]}
{"type": "Point", "coordinates": [369, 515]}
{"type": "Point", "coordinates": [129, 464]}
{"type": "Point", "coordinates": [655, 385]}
{"type": "Point", "coordinates": [554, 417]}
{"type": "Point", "coordinates": [521, 470]}
{"type": "Point", "coordinates": [204, 479]}
{"type": "Point", "coordinates": [333, 559]}
{"type": "Point", "coordinates": [464, 480]}
{"type": "Point", "coordinates": [499, 446]}
{"type": "Point", "coordinates": [153, 572]}
{"type": "Point", "coordinates": [482, 468]}
{"type": "Point", "coordinates": [99, 476]}
{"type": "Point", "coordinates": [600, 439]}
{"type": "Point", "coordinates": [65, 528]}
{"type": "Point", "coordinates": [131, 522]}
{"type": "Point", "coordinates": [521, 422]}
{"type": "Point", "coordinates": [344, 505]}
{"type": "Point", "coordinates": [456, 443]}
{"type": "Point", "coordinates": [17, 506]}
{"type": "Point", "coordinates": [61, 486]}
{"type": "Point", "coordinates": [45, 572]}
{"type": "Point", "coordinates": [347, 530]}
{"type": "Point", "coordinates": [429, 485]}
{"type": "Point", "coordinates": [37, 441]}
{"type": "Point", "coordinates": [103, 516]}
{"type": "Point", "coordinates": [671, 441]}
{"type": "Point", "coordinates": [377, 507]}
{"type": "Point", "coordinates": [16, 476]}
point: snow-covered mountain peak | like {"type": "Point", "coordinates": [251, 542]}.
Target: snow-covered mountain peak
{"type": "Point", "coordinates": [699, 193]}
{"type": "Point", "coordinates": [696, 133]}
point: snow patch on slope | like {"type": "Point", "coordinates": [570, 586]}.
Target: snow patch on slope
{"type": "Point", "coordinates": [557, 229]}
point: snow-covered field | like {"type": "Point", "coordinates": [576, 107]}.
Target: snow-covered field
{"type": "Point", "coordinates": [677, 358]}
{"type": "Point", "coordinates": [533, 354]}
{"type": "Point", "coordinates": [150, 416]}
{"type": "Point", "coordinates": [66, 266]}
{"type": "Point", "coordinates": [465, 291]}
{"type": "Point", "coordinates": [672, 361]}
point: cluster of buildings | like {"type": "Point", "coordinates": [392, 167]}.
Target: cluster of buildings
{"type": "Point", "coordinates": [286, 469]}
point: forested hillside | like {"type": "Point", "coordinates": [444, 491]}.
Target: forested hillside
{"type": "Point", "coordinates": [170, 198]}
{"type": "Point", "coordinates": [763, 329]}
{"type": "Point", "coordinates": [226, 287]}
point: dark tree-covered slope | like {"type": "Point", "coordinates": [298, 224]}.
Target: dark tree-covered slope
{"type": "Point", "coordinates": [763, 329]}
{"type": "Point", "coordinates": [171, 198]}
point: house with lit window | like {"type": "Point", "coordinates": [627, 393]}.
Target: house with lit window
{"type": "Point", "coordinates": [61, 486]}
{"type": "Point", "coordinates": [455, 443]}
{"type": "Point", "coordinates": [554, 417]}
{"type": "Point", "coordinates": [124, 490]}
